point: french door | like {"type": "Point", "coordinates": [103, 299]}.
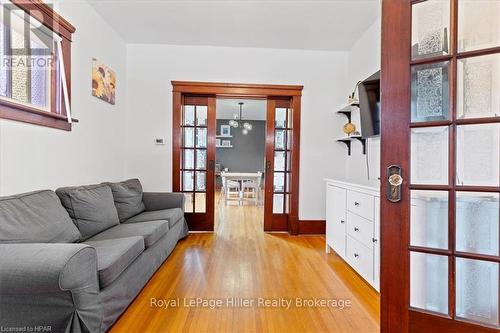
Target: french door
{"type": "Point", "coordinates": [194, 158]}
{"type": "Point", "coordinates": [279, 166]}
{"type": "Point", "coordinates": [440, 160]}
{"type": "Point", "coordinates": [194, 127]}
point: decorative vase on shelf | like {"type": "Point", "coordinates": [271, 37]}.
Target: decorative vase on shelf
{"type": "Point", "coordinates": [349, 128]}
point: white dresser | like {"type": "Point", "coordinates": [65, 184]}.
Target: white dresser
{"type": "Point", "coordinates": [353, 227]}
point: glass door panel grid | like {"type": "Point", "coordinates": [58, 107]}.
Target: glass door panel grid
{"type": "Point", "coordinates": [282, 160]}
{"type": "Point", "coordinates": [455, 213]}
{"type": "Point", "coordinates": [193, 167]}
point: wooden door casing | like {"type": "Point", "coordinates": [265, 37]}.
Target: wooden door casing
{"type": "Point", "coordinates": [291, 93]}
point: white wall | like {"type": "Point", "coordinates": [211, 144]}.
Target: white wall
{"type": "Point", "coordinates": [364, 60]}
{"type": "Point", "coordinates": [150, 68]}
{"type": "Point", "coordinates": [115, 142]}
{"type": "Point", "coordinates": [33, 157]}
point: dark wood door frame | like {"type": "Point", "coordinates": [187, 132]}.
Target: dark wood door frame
{"type": "Point", "coordinates": [241, 90]}
{"type": "Point", "coordinates": [395, 98]}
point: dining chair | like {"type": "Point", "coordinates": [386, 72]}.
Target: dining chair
{"type": "Point", "coordinates": [230, 190]}
{"type": "Point", "coordinates": [252, 187]}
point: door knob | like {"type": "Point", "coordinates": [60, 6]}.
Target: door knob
{"type": "Point", "coordinates": [394, 180]}
{"type": "Point", "coordinates": [268, 165]}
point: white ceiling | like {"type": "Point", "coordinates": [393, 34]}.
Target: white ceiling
{"type": "Point", "coordinates": [251, 110]}
{"type": "Point", "coordinates": [281, 24]}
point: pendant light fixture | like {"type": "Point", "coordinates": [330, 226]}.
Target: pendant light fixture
{"type": "Point", "coordinates": [235, 123]}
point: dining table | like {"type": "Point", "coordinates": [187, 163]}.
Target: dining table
{"type": "Point", "coordinates": [241, 177]}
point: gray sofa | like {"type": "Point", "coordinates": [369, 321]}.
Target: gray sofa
{"type": "Point", "coordinates": [74, 259]}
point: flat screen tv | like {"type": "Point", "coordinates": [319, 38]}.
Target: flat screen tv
{"type": "Point", "coordinates": [369, 105]}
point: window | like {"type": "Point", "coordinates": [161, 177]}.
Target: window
{"type": "Point", "coordinates": [34, 78]}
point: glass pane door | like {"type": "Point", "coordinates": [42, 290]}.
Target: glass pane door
{"type": "Point", "coordinates": [282, 132]}
{"type": "Point", "coordinates": [196, 160]}
{"type": "Point", "coordinates": [454, 157]}
{"type": "Point", "coordinates": [278, 167]}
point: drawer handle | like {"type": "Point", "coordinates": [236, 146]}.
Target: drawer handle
{"type": "Point", "coordinates": [356, 255]}
{"type": "Point", "coordinates": [342, 221]}
{"type": "Point", "coordinates": [374, 240]}
{"type": "Point", "coordinates": [356, 203]}
{"type": "Point", "coordinates": [356, 229]}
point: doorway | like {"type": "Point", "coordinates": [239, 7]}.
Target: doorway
{"type": "Point", "coordinates": [240, 162]}
{"type": "Point", "coordinates": [195, 142]}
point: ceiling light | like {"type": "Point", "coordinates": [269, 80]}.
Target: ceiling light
{"type": "Point", "coordinates": [235, 123]}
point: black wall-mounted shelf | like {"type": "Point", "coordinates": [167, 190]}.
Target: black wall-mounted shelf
{"type": "Point", "coordinates": [348, 142]}
{"type": "Point", "coordinates": [347, 110]}
{"type": "Point", "coordinates": [347, 114]}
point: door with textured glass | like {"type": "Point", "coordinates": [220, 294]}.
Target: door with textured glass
{"type": "Point", "coordinates": [441, 126]}
{"type": "Point", "coordinates": [194, 158]}
{"type": "Point", "coordinates": [279, 171]}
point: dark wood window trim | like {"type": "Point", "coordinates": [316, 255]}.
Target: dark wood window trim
{"type": "Point", "coordinates": [56, 118]}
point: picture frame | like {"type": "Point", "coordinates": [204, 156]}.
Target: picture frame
{"type": "Point", "coordinates": [226, 143]}
{"type": "Point", "coordinates": [225, 130]}
{"type": "Point", "coordinates": [217, 142]}
{"type": "Point", "coordinates": [103, 82]}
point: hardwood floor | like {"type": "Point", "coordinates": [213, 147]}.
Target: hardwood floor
{"type": "Point", "coordinates": [240, 261]}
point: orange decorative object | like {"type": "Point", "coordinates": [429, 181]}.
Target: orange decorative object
{"type": "Point", "coordinates": [349, 128]}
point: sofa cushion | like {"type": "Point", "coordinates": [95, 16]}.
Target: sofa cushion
{"type": "Point", "coordinates": [91, 207]}
{"type": "Point", "coordinates": [35, 217]}
{"type": "Point", "coordinates": [151, 231]}
{"type": "Point", "coordinates": [114, 256]}
{"type": "Point", "coordinates": [128, 198]}
{"type": "Point", "coordinates": [172, 215]}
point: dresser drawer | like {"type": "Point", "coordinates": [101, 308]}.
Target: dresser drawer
{"type": "Point", "coordinates": [360, 257]}
{"type": "Point", "coordinates": [361, 204]}
{"type": "Point", "coordinates": [360, 229]}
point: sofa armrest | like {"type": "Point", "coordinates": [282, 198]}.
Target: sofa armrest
{"type": "Point", "coordinates": [162, 200]}
{"type": "Point", "coordinates": [47, 284]}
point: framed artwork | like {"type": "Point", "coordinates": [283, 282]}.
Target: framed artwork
{"type": "Point", "coordinates": [226, 143]}
{"type": "Point", "coordinates": [103, 82]}
{"type": "Point", "coordinates": [225, 130]}
{"type": "Point", "coordinates": [217, 143]}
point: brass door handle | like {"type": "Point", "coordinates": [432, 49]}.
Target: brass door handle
{"type": "Point", "coordinates": [394, 182]}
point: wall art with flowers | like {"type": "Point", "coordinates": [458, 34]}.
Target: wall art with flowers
{"type": "Point", "coordinates": [103, 82]}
